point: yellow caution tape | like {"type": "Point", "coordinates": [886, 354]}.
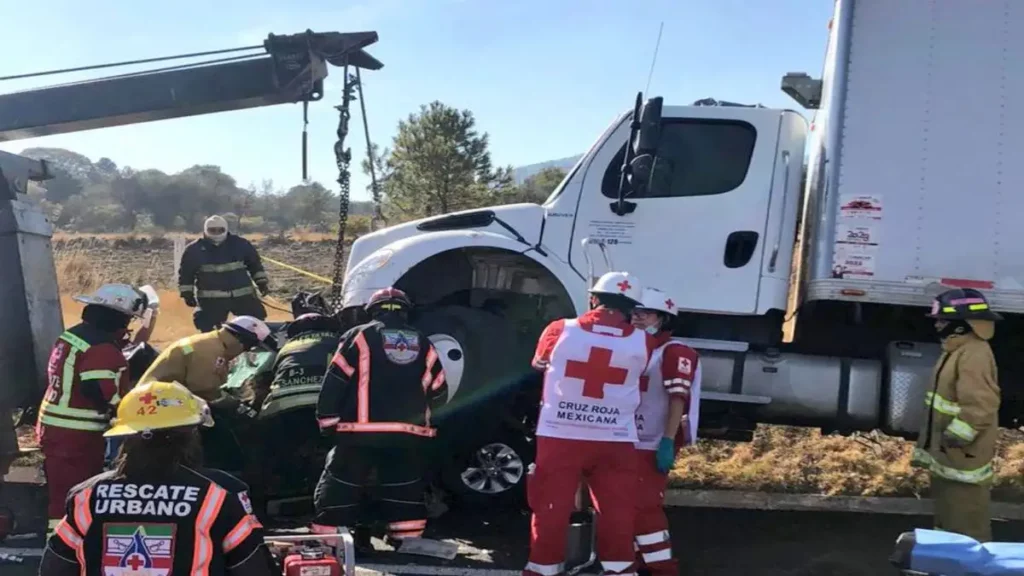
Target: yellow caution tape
{"type": "Point", "coordinates": [299, 270]}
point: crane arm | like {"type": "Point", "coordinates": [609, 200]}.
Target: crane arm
{"type": "Point", "coordinates": [292, 70]}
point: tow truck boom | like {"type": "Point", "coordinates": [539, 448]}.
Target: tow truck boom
{"type": "Point", "coordinates": [292, 70]}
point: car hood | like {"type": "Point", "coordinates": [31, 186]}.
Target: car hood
{"type": "Point", "coordinates": [523, 219]}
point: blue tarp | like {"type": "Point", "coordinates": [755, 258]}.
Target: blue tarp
{"type": "Point", "coordinates": [948, 554]}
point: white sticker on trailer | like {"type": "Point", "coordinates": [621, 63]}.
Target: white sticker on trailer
{"type": "Point", "coordinates": [860, 206]}
{"type": "Point", "coordinates": [854, 260]}
{"type": "Point", "coordinates": [864, 235]}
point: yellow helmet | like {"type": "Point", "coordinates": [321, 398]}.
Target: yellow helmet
{"type": "Point", "coordinates": [156, 406]}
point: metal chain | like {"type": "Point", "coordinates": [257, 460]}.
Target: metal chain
{"type": "Point", "coordinates": [343, 158]}
{"type": "Point", "coordinates": [377, 216]}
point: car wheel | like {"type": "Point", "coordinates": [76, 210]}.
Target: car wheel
{"type": "Point", "coordinates": [490, 476]}
{"type": "Point", "coordinates": [494, 469]}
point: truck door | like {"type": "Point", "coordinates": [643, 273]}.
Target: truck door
{"type": "Point", "coordinates": [700, 234]}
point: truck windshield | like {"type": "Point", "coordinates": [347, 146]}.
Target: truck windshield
{"type": "Point", "coordinates": [593, 148]}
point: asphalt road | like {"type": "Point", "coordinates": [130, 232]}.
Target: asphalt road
{"type": "Point", "coordinates": [709, 542]}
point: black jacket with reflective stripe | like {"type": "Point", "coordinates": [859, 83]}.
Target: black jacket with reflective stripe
{"type": "Point", "coordinates": [385, 377]}
{"type": "Point", "coordinates": [220, 271]}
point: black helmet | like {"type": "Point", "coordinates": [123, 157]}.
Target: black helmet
{"type": "Point", "coordinates": [962, 304]}
{"type": "Point", "coordinates": [388, 300]}
{"type": "Point", "coordinates": [309, 302]}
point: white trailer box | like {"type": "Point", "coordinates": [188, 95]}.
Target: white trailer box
{"type": "Point", "coordinates": [916, 158]}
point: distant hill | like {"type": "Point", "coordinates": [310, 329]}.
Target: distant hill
{"type": "Point", "coordinates": [524, 172]}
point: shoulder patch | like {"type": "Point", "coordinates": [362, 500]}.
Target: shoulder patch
{"type": "Point", "coordinates": [401, 346]}
{"type": "Point", "coordinates": [243, 498]}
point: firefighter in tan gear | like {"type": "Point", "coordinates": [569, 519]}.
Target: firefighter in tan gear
{"type": "Point", "coordinates": [201, 362]}
{"type": "Point", "coordinates": [958, 440]}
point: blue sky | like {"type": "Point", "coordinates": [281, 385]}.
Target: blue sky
{"type": "Point", "coordinates": [544, 78]}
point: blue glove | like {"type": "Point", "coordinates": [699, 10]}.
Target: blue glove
{"type": "Point", "coordinates": [666, 456]}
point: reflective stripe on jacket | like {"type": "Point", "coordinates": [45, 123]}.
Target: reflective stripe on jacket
{"type": "Point", "coordinates": [87, 374]}
{"type": "Point", "coordinates": [225, 270]}
{"type": "Point", "coordinates": [963, 403]}
{"type": "Point", "coordinates": [385, 377]}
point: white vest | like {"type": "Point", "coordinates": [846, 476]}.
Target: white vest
{"type": "Point", "coordinates": [653, 410]}
{"type": "Point", "coordinates": [593, 400]}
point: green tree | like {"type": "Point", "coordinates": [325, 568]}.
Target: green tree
{"type": "Point", "coordinates": [536, 188]}
{"type": "Point", "coordinates": [438, 163]}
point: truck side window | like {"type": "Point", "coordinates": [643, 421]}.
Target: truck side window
{"type": "Point", "coordinates": [706, 156]}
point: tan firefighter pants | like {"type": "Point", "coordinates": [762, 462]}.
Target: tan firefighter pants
{"type": "Point", "coordinates": [962, 508]}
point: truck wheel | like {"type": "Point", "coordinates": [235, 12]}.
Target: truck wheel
{"type": "Point", "coordinates": [478, 350]}
{"type": "Point", "coordinates": [485, 365]}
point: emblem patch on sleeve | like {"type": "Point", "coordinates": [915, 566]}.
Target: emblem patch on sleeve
{"type": "Point", "coordinates": [685, 367]}
{"type": "Point", "coordinates": [131, 549]}
{"type": "Point", "coordinates": [401, 346]}
{"type": "Point", "coordinates": [243, 497]}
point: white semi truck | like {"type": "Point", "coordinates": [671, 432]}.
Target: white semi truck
{"type": "Point", "coordinates": [907, 181]}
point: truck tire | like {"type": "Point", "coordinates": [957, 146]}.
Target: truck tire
{"type": "Point", "coordinates": [486, 365]}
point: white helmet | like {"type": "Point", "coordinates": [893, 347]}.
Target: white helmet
{"type": "Point", "coordinates": [216, 223]}
{"type": "Point", "coordinates": [120, 297]}
{"type": "Point", "coordinates": [655, 299]}
{"type": "Point", "coordinates": [621, 283]}
{"type": "Point", "coordinates": [249, 330]}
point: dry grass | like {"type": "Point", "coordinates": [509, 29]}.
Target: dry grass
{"type": "Point", "coordinates": [798, 460]}
{"type": "Point", "coordinates": [297, 235]}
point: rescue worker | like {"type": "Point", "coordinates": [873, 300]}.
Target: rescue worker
{"type": "Point", "coordinates": [378, 395]}
{"type": "Point", "coordinates": [296, 377]}
{"type": "Point", "coordinates": [586, 430]}
{"type": "Point", "coordinates": [958, 440]}
{"type": "Point", "coordinates": [665, 406]}
{"type": "Point", "coordinates": [87, 375]}
{"type": "Point", "coordinates": [158, 512]}
{"type": "Point", "coordinates": [202, 363]}
{"type": "Point", "coordinates": [216, 277]}
{"type": "Point", "coordinates": [310, 343]}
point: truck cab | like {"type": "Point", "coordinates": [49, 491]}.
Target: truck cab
{"type": "Point", "coordinates": [712, 225]}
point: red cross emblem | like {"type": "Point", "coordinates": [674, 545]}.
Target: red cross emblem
{"type": "Point", "coordinates": [596, 372]}
{"type": "Point", "coordinates": [135, 561]}
{"type": "Point", "coordinates": [670, 304]}
{"type": "Point", "coordinates": [624, 285]}
{"type": "Point", "coordinates": [147, 398]}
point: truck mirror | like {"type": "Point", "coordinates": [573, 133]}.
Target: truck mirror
{"type": "Point", "coordinates": [646, 147]}
{"type": "Point", "coordinates": [650, 127]}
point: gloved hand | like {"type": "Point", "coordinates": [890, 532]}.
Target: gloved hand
{"type": "Point", "coordinates": [920, 459]}
{"type": "Point", "coordinates": [190, 299]}
{"type": "Point", "coordinates": [264, 288]}
{"type": "Point", "coordinates": [666, 455]}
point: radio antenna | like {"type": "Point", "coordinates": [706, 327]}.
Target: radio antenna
{"type": "Point", "coordinates": [654, 60]}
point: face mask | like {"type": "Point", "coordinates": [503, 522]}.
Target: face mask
{"type": "Point", "coordinates": [652, 330]}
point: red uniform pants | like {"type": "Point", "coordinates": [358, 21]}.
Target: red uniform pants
{"type": "Point", "coordinates": [609, 469]}
{"type": "Point", "coordinates": [654, 548]}
{"type": "Point", "coordinates": [71, 457]}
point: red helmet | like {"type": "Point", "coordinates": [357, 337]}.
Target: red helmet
{"type": "Point", "coordinates": [390, 300]}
